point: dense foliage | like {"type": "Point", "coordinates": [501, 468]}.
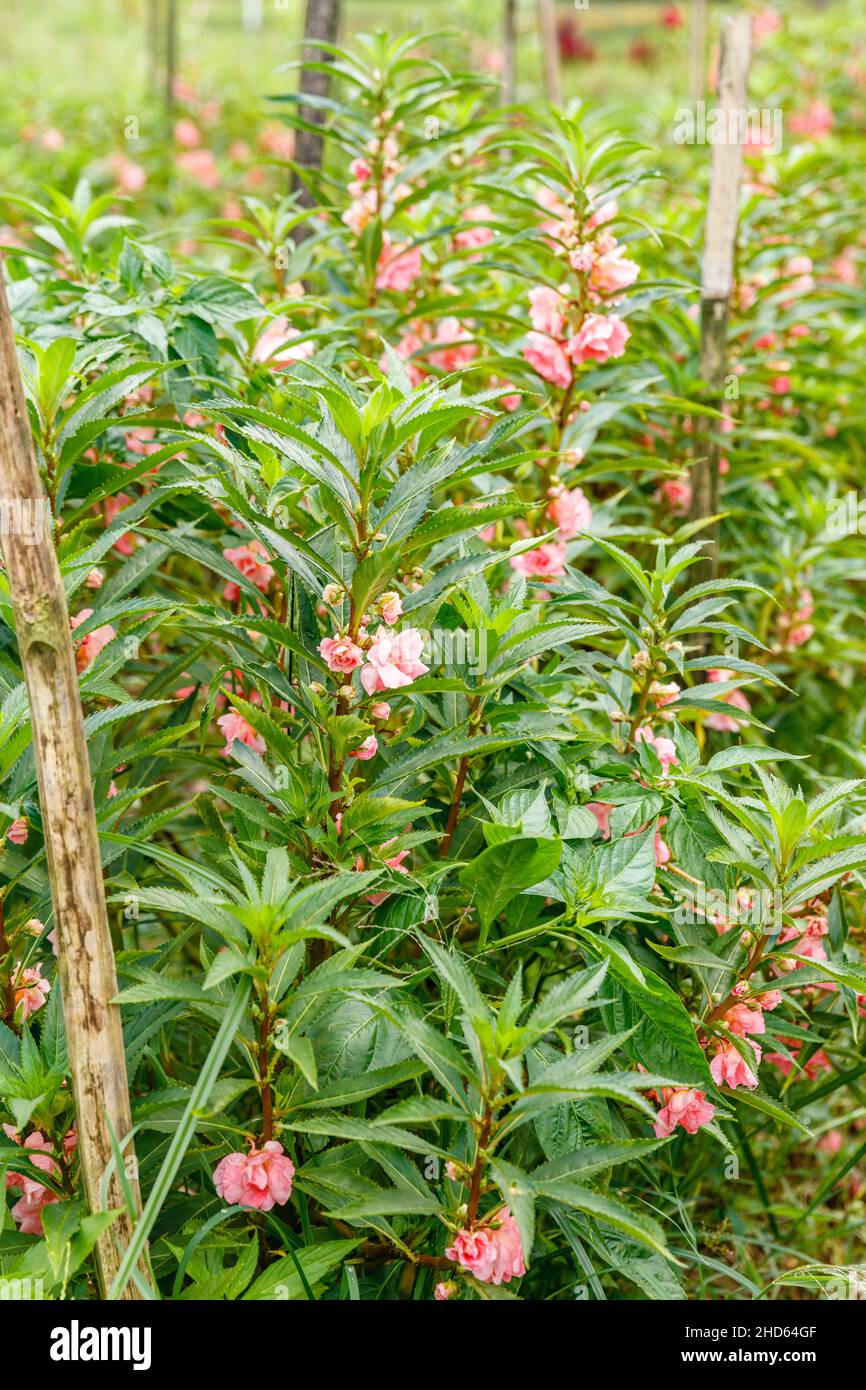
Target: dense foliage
{"type": "Point", "coordinates": [485, 871]}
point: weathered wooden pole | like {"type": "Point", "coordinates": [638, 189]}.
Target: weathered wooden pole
{"type": "Point", "coordinates": [698, 51]}
{"type": "Point", "coordinates": [549, 51]}
{"type": "Point", "coordinates": [321, 25]}
{"type": "Point", "coordinates": [717, 273]}
{"type": "Point", "coordinates": [84, 953]}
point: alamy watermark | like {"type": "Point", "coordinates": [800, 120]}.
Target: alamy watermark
{"type": "Point", "coordinates": [713, 125]}
{"type": "Point", "coordinates": [26, 517]}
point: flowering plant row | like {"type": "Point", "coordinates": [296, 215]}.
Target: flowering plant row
{"type": "Point", "coordinates": [478, 912]}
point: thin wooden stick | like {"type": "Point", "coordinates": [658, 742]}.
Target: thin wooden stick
{"type": "Point", "coordinates": [84, 953]}
{"type": "Point", "coordinates": [549, 51]}
{"type": "Point", "coordinates": [717, 274]}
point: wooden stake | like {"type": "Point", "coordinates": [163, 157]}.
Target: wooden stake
{"type": "Point", "coordinates": [84, 953]}
{"type": "Point", "coordinates": [549, 51]}
{"type": "Point", "coordinates": [321, 25]}
{"type": "Point", "coordinates": [717, 274]}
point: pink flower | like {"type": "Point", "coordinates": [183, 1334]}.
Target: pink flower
{"type": "Point", "coordinates": [741, 1020]}
{"type": "Point", "coordinates": [28, 1210]}
{"type": "Point", "coordinates": [544, 562]}
{"type": "Point", "coordinates": [340, 653]}
{"type": "Point", "coordinates": [664, 693]}
{"type": "Point", "coordinates": [368, 749]}
{"type": "Point", "coordinates": [725, 723]}
{"type": "Point", "coordinates": [671, 17]}
{"type": "Point", "coordinates": [570, 511]}
{"type": "Point", "coordinates": [251, 560]}
{"type": "Point", "coordinates": [661, 848]}
{"type": "Point", "coordinates": [391, 605]}
{"type": "Point", "coordinates": [665, 747]}
{"type": "Point", "coordinates": [453, 354]}
{"type": "Point", "coordinates": [799, 634]}
{"type": "Point", "coordinates": [475, 235]}
{"type": "Point", "coordinates": [30, 990]}
{"type": "Point", "coordinates": [612, 273]}
{"type": "Point", "coordinates": [799, 269]}
{"type": "Point", "coordinates": [817, 1063]}
{"type": "Point", "coordinates": [94, 579]}
{"type": "Point", "coordinates": [52, 139]}
{"type": "Point", "coordinates": [187, 133]}
{"type": "Point", "coordinates": [233, 727]}
{"type": "Point", "coordinates": [766, 22]}
{"type": "Point", "coordinates": [601, 810]}
{"type": "Point", "coordinates": [443, 1291]}
{"type": "Point", "coordinates": [131, 177]}
{"type": "Point", "coordinates": [111, 506]}
{"type": "Point", "coordinates": [393, 661]}
{"type": "Point", "coordinates": [395, 862]}
{"type": "Point", "coordinates": [201, 166]}
{"type": "Point", "coordinates": [547, 310]}
{"type": "Point", "coordinates": [380, 710]}
{"type": "Point", "coordinates": [599, 337]}
{"type": "Point", "coordinates": [689, 1108]}
{"type": "Point", "coordinates": [278, 140]}
{"type": "Point", "coordinates": [729, 1069]}
{"type": "Point", "coordinates": [677, 493]}
{"type": "Point", "coordinates": [397, 269]}
{"type": "Point", "coordinates": [277, 345]}
{"type": "Point", "coordinates": [813, 124]}
{"type": "Point", "coordinates": [493, 1252]}
{"type": "Point", "coordinates": [546, 357]}
{"type": "Point", "coordinates": [89, 647]}
{"type": "Point", "coordinates": [261, 1179]}
{"type": "Point", "coordinates": [831, 1142]}
{"type": "Point", "coordinates": [360, 211]}
{"type": "Point", "coordinates": [18, 831]}
{"type": "Point", "coordinates": [770, 999]}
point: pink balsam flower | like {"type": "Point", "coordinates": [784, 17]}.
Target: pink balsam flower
{"type": "Point", "coordinates": [544, 562]}
{"type": "Point", "coordinates": [570, 511]}
{"type": "Point", "coordinates": [30, 990]}
{"type": "Point", "coordinates": [547, 357]}
{"type": "Point", "coordinates": [251, 560]}
{"type": "Point", "coordinates": [689, 1108]}
{"type": "Point", "coordinates": [368, 749]}
{"type": "Point", "coordinates": [599, 337]}
{"type": "Point", "coordinates": [18, 831]}
{"type": "Point", "coordinates": [398, 268]}
{"type": "Point", "coordinates": [492, 1252]}
{"type": "Point", "coordinates": [393, 661]}
{"type": "Point", "coordinates": [233, 727]}
{"type": "Point", "coordinates": [89, 647]}
{"type": "Point", "coordinates": [340, 654]}
{"type": "Point", "coordinates": [261, 1179]}
{"type": "Point", "coordinates": [728, 1068]}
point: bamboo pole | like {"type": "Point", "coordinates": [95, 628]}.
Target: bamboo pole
{"type": "Point", "coordinates": [84, 953]}
{"type": "Point", "coordinates": [717, 272]}
{"type": "Point", "coordinates": [549, 51]}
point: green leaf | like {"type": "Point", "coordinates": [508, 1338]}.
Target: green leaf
{"type": "Point", "coordinates": [281, 1280]}
{"type": "Point", "coordinates": [502, 871]}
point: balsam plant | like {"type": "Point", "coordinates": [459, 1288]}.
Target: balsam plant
{"type": "Point", "coordinates": [486, 889]}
